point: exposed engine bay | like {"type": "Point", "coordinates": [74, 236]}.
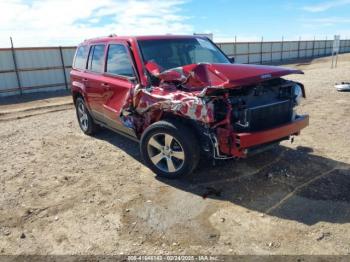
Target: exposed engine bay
{"type": "Point", "coordinates": [258, 107]}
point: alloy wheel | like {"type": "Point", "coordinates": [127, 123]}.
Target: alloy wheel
{"type": "Point", "coordinates": [165, 152]}
{"type": "Point", "coordinates": [83, 117]}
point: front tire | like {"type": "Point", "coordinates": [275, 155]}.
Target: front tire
{"type": "Point", "coordinates": [170, 149]}
{"type": "Point", "coordinates": [85, 120]}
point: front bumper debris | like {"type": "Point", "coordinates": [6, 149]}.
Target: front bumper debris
{"type": "Point", "coordinates": [238, 144]}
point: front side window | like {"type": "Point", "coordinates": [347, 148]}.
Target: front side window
{"type": "Point", "coordinates": [96, 58]}
{"type": "Point", "coordinates": [80, 57]}
{"type": "Point", "coordinates": [171, 53]}
{"type": "Point", "coordinates": [118, 61]}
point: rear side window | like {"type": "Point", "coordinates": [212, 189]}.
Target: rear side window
{"type": "Point", "coordinates": [96, 58]}
{"type": "Point", "coordinates": [80, 57]}
{"type": "Point", "coordinates": [118, 61]}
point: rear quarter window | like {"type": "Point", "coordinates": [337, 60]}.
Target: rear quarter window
{"type": "Point", "coordinates": [80, 57]}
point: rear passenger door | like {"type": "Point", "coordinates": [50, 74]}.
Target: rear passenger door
{"type": "Point", "coordinates": [118, 81]}
{"type": "Point", "coordinates": [93, 76]}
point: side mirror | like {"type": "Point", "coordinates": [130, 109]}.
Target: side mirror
{"type": "Point", "coordinates": [232, 60]}
{"type": "Point", "coordinates": [132, 79]}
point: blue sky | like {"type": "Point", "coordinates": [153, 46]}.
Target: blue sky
{"type": "Point", "coordinates": [271, 19]}
{"type": "Point", "coordinates": [68, 22]}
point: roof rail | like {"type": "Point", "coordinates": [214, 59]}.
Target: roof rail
{"type": "Point", "coordinates": [96, 38]}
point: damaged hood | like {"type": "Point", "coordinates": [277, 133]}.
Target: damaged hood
{"type": "Point", "coordinates": [199, 76]}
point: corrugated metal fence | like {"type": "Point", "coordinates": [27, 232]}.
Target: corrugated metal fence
{"type": "Point", "coordinates": [24, 70]}
{"type": "Point", "coordinates": [271, 52]}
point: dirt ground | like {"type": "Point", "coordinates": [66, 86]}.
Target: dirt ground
{"type": "Point", "coordinates": [62, 192]}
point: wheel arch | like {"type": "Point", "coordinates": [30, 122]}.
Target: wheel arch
{"type": "Point", "coordinates": [187, 139]}
{"type": "Point", "coordinates": [76, 94]}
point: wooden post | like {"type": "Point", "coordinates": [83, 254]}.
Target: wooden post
{"type": "Point", "coordinates": [271, 49]}
{"type": "Point", "coordinates": [235, 48]}
{"type": "Point", "coordinates": [306, 48]}
{"type": "Point", "coordinates": [313, 48]}
{"type": "Point", "coordinates": [16, 67]}
{"type": "Point", "coordinates": [282, 48]}
{"type": "Point", "coordinates": [248, 53]}
{"type": "Point", "coordinates": [63, 67]}
{"type": "Point", "coordinates": [336, 57]}
{"type": "Point", "coordinates": [261, 50]}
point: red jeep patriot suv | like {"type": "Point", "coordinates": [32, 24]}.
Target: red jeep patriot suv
{"type": "Point", "coordinates": [181, 97]}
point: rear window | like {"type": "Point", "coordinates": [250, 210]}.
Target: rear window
{"type": "Point", "coordinates": [96, 58]}
{"type": "Point", "coordinates": [80, 57]}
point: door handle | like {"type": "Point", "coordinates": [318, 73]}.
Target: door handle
{"type": "Point", "coordinates": [106, 86]}
{"type": "Point", "coordinates": [84, 79]}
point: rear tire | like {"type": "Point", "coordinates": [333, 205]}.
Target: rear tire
{"type": "Point", "coordinates": [170, 149]}
{"type": "Point", "coordinates": [85, 120]}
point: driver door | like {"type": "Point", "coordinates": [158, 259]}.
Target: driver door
{"type": "Point", "coordinates": [118, 80]}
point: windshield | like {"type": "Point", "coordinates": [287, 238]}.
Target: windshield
{"type": "Point", "coordinates": [170, 53]}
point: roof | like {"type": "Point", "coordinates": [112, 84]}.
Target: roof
{"type": "Point", "coordinates": [135, 38]}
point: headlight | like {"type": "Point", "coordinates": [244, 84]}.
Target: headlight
{"type": "Point", "coordinates": [298, 94]}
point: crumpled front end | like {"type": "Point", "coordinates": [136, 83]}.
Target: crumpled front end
{"type": "Point", "coordinates": [232, 104]}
